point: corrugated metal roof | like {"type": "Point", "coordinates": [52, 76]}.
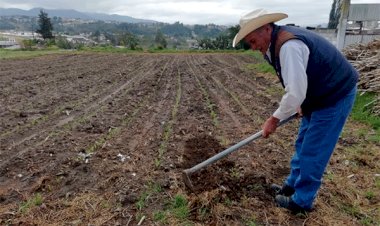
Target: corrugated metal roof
{"type": "Point", "coordinates": [364, 12]}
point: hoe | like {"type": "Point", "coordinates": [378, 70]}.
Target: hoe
{"type": "Point", "coordinates": [187, 172]}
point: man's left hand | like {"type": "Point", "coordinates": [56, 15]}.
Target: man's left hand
{"type": "Point", "coordinates": [270, 126]}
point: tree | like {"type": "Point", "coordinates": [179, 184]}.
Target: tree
{"type": "Point", "coordinates": [232, 31]}
{"type": "Point", "coordinates": [129, 40]}
{"type": "Point", "coordinates": [334, 15]}
{"type": "Point", "coordinates": [160, 40]}
{"type": "Point", "coordinates": [46, 27]}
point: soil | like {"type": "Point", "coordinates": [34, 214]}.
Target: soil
{"type": "Point", "coordinates": [102, 139]}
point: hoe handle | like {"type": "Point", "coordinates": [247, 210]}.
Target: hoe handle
{"type": "Point", "coordinates": [233, 148]}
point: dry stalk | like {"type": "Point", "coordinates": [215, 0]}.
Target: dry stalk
{"type": "Point", "coordinates": [366, 59]}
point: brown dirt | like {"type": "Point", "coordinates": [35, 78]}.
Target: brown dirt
{"type": "Point", "coordinates": [103, 139]}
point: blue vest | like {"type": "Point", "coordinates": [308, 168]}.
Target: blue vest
{"type": "Point", "coordinates": [329, 75]}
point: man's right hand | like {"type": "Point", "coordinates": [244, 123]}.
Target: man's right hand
{"type": "Point", "coordinates": [270, 126]}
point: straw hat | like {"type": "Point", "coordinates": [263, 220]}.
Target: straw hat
{"type": "Point", "coordinates": [254, 20]}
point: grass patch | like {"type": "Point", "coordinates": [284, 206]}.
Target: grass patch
{"type": "Point", "coordinates": [179, 208]}
{"type": "Point", "coordinates": [176, 211]}
{"type": "Point", "coordinates": [34, 201]}
{"type": "Point", "coordinates": [20, 54]}
{"type": "Point", "coordinates": [160, 216]}
{"type": "Point", "coordinates": [354, 211]}
{"type": "Point", "coordinates": [261, 67]}
{"type": "Point", "coordinates": [151, 190]}
{"type": "Point", "coordinates": [362, 112]}
{"type": "Point", "coordinates": [255, 54]}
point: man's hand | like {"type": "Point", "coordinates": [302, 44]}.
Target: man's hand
{"type": "Point", "coordinates": [270, 126]}
{"type": "Point", "coordinates": [299, 111]}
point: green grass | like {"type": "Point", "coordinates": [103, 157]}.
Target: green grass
{"type": "Point", "coordinates": [160, 216]}
{"type": "Point", "coordinates": [175, 208]}
{"type": "Point", "coordinates": [179, 207]}
{"type": "Point", "coordinates": [260, 65]}
{"type": "Point", "coordinates": [34, 201]}
{"type": "Point", "coordinates": [255, 54]}
{"type": "Point", "coordinates": [377, 182]}
{"type": "Point", "coordinates": [362, 112]}
{"type": "Point", "coordinates": [152, 189]}
{"type": "Point", "coordinates": [18, 54]}
{"type": "Point", "coordinates": [22, 53]}
{"type": "Point", "coordinates": [353, 210]}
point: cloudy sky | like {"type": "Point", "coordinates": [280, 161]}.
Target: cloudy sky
{"type": "Point", "coordinates": [222, 12]}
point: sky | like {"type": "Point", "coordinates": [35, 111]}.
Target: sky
{"type": "Point", "coordinates": [221, 12]}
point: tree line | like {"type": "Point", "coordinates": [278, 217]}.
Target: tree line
{"type": "Point", "coordinates": [133, 36]}
{"type": "Point", "coordinates": [157, 35]}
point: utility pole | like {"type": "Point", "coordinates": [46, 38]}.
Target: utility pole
{"type": "Point", "coordinates": [342, 26]}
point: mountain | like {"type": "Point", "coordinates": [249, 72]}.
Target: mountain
{"type": "Point", "coordinates": [70, 13]}
{"type": "Point", "coordinates": [119, 18]}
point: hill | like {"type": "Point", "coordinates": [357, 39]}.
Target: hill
{"type": "Point", "coordinates": [70, 13]}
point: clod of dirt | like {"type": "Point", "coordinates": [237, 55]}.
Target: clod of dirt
{"type": "Point", "coordinates": [199, 149]}
{"type": "Point", "coordinates": [224, 175]}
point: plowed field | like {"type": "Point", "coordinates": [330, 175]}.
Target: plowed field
{"type": "Point", "coordinates": [102, 139]}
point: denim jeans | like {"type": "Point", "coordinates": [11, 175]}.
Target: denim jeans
{"type": "Point", "coordinates": [318, 134]}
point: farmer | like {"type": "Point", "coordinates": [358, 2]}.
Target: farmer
{"type": "Point", "coordinates": [320, 84]}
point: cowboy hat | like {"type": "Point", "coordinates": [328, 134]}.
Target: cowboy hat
{"type": "Point", "coordinates": [253, 20]}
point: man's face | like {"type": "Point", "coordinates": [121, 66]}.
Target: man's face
{"type": "Point", "coordinates": [259, 39]}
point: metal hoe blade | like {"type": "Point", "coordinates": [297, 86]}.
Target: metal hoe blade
{"type": "Point", "coordinates": [187, 172]}
{"type": "Point", "coordinates": [187, 181]}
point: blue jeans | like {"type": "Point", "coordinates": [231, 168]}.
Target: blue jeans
{"type": "Point", "coordinates": [318, 134]}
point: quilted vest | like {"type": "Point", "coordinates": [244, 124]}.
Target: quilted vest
{"type": "Point", "coordinates": [329, 75]}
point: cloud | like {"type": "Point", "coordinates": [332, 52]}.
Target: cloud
{"type": "Point", "coordinates": [302, 12]}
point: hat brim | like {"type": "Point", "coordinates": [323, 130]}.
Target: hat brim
{"type": "Point", "coordinates": [256, 23]}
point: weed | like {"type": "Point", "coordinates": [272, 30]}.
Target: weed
{"type": "Point", "coordinates": [251, 222]}
{"type": "Point", "coordinates": [235, 173]}
{"type": "Point", "coordinates": [354, 211]}
{"type": "Point", "coordinates": [19, 54]}
{"type": "Point", "coordinates": [255, 54]}
{"type": "Point", "coordinates": [367, 221]}
{"type": "Point", "coordinates": [377, 182]}
{"type": "Point", "coordinates": [329, 175]}
{"type": "Point", "coordinates": [275, 90]}
{"type": "Point", "coordinates": [351, 210]}
{"type": "Point", "coordinates": [362, 133]}
{"type": "Point", "coordinates": [179, 207]}
{"type": "Point", "coordinates": [227, 202]}
{"type": "Point", "coordinates": [142, 200]}
{"type": "Point", "coordinates": [155, 188]}
{"type": "Point", "coordinates": [152, 188]}
{"type": "Point", "coordinates": [369, 195]}
{"type": "Point", "coordinates": [261, 67]}
{"type": "Point", "coordinates": [179, 201]}
{"type": "Point", "coordinates": [157, 163]}
{"type": "Point", "coordinates": [203, 213]}
{"type": "Point", "coordinates": [375, 138]}
{"type": "Point", "coordinates": [224, 141]}
{"type": "Point", "coordinates": [159, 216]}
{"type": "Point", "coordinates": [34, 201]}
{"type": "Point", "coordinates": [362, 111]}
{"type": "Point", "coordinates": [256, 187]}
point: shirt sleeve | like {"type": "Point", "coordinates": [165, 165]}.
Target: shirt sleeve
{"type": "Point", "coordinates": [294, 56]}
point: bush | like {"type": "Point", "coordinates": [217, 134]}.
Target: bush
{"type": "Point", "coordinates": [63, 43]}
